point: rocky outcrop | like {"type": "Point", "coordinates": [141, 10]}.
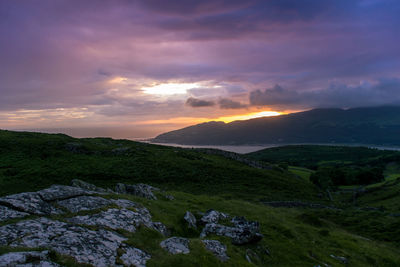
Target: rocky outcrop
{"type": "Point", "coordinates": [71, 237]}
{"type": "Point", "coordinates": [243, 231]}
{"type": "Point", "coordinates": [140, 190]}
{"type": "Point", "coordinates": [7, 214]}
{"type": "Point", "coordinates": [217, 248]}
{"type": "Point", "coordinates": [190, 219]}
{"type": "Point", "coordinates": [176, 245]}
{"type": "Point", "coordinates": [98, 248]}
{"type": "Point", "coordinates": [29, 202]}
{"type": "Point", "coordinates": [27, 259]}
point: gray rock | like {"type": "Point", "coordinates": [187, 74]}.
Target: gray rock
{"type": "Point", "coordinates": [339, 258]}
{"type": "Point", "coordinates": [140, 190]}
{"type": "Point", "coordinates": [7, 214]}
{"type": "Point", "coordinates": [98, 248]}
{"type": "Point", "coordinates": [217, 248]}
{"type": "Point", "coordinates": [28, 258]}
{"type": "Point", "coordinates": [135, 257]}
{"type": "Point", "coordinates": [176, 245]}
{"type": "Point", "coordinates": [29, 202]}
{"type": "Point", "coordinates": [190, 219]}
{"type": "Point", "coordinates": [213, 216]}
{"type": "Point", "coordinates": [124, 203]}
{"type": "Point", "coordinates": [243, 232]}
{"type": "Point", "coordinates": [57, 192]}
{"type": "Point", "coordinates": [87, 186]}
{"type": "Point", "coordinates": [83, 203]}
{"type": "Point", "coordinates": [113, 219]}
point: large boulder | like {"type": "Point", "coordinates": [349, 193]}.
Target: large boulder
{"type": "Point", "coordinates": [140, 190]}
{"type": "Point", "coordinates": [217, 248]}
{"type": "Point", "coordinates": [190, 219]}
{"type": "Point", "coordinates": [176, 245]}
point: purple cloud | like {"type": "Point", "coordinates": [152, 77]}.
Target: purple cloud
{"type": "Point", "coordinates": [60, 54]}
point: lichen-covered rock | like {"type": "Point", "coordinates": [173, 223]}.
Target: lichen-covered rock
{"type": "Point", "coordinates": [82, 203]}
{"type": "Point", "coordinates": [243, 232]}
{"type": "Point", "coordinates": [213, 216]}
{"type": "Point", "coordinates": [176, 245]}
{"type": "Point", "coordinates": [217, 248]}
{"type": "Point", "coordinates": [140, 190]}
{"type": "Point", "coordinates": [135, 257]}
{"type": "Point", "coordinates": [190, 219]}
{"type": "Point", "coordinates": [29, 202]}
{"type": "Point", "coordinates": [57, 192]}
{"type": "Point", "coordinates": [7, 214]}
{"type": "Point", "coordinates": [112, 218]}
{"type": "Point", "coordinates": [124, 203]}
{"type": "Point", "coordinates": [98, 248]}
{"type": "Point", "coordinates": [27, 258]}
{"type": "Point", "coordinates": [87, 186]}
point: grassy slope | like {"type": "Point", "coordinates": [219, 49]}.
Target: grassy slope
{"type": "Point", "coordinates": [293, 237]}
{"type": "Point", "coordinates": [312, 156]}
{"type": "Point", "coordinates": [31, 161]}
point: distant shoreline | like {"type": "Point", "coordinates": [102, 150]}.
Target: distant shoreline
{"type": "Point", "coordinates": [244, 149]}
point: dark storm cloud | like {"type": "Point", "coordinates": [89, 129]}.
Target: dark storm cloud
{"type": "Point", "coordinates": [384, 92]}
{"type": "Point", "coordinates": [198, 103]}
{"type": "Point", "coordinates": [226, 103]}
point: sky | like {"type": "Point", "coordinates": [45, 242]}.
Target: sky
{"type": "Point", "coordinates": [135, 69]}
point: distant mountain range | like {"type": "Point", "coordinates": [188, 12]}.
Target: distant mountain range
{"type": "Point", "coordinates": [372, 125]}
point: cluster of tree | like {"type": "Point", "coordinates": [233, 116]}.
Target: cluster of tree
{"type": "Point", "coordinates": [326, 177]}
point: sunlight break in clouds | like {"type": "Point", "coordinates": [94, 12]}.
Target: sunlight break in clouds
{"type": "Point", "coordinates": [249, 116]}
{"type": "Point", "coordinates": [170, 88]}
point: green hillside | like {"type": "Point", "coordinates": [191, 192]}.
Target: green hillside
{"type": "Point", "coordinates": [200, 181]}
{"type": "Point", "coordinates": [32, 161]}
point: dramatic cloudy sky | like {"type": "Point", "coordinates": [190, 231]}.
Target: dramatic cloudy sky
{"type": "Point", "coordinates": [127, 68]}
